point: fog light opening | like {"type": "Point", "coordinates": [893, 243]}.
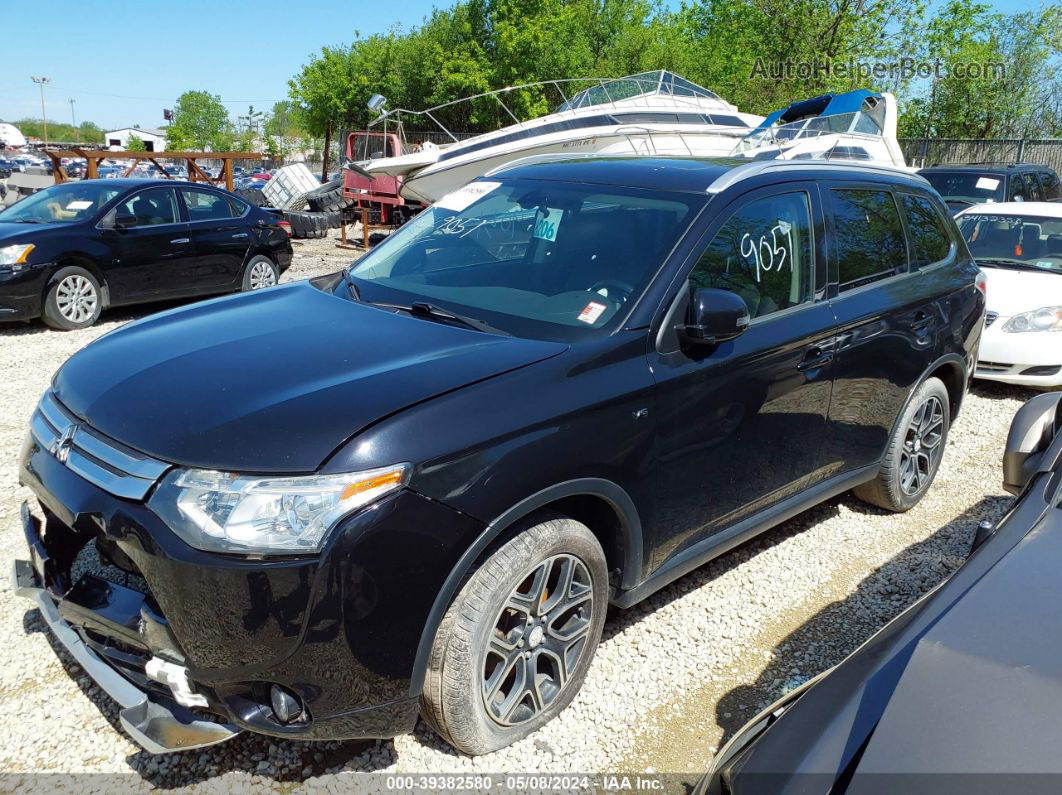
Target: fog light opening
{"type": "Point", "coordinates": [287, 707]}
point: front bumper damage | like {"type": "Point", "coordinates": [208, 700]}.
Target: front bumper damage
{"type": "Point", "coordinates": [196, 646]}
{"type": "Point", "coordinates": [157, 726]}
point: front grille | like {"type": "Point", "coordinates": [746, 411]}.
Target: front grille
{"type": "Point", "coordinates": [990, 318]}
{"type": "Point", "coordinates": [108, 464]}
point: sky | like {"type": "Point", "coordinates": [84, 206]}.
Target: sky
{"type": "Point", "coordinates": [122, 64]}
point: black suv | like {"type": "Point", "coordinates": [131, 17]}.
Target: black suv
{"type": "Point", "coordinates": [73, 249]}
{"type": "Point", "coordinates": [414, 487]}
{"type": "Point", "coordinates": [967, 185]}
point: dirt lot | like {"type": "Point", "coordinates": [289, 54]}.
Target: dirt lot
{"type": "Point", "coordinates": [673, 678]}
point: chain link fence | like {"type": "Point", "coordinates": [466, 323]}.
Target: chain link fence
{"type": "Point", "coordinates": [942, 151]}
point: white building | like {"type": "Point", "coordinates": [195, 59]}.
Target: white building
{"type": "Point", "coordinates": [154, 140]}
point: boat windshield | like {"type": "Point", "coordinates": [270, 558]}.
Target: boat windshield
{"type": "Point", "coordinates": [659, 82]}
{"type": "Point", "coordinates": [869, 123]}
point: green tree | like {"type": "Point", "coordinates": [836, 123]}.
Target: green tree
{"type": "Point", "coordinates": [200, 122]}
{"type": "Point", "coordinates": [135, 144]}
{"type": "Point", "coordinates": [1019, 90]}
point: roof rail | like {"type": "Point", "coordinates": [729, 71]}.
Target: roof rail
{"type": "Point", "coordinates": [756, 167]}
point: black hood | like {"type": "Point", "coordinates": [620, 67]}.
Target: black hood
{"type": "Point", "coordinates": [272, 381]}
{"type": "Point", "coordinates": [11, 233]}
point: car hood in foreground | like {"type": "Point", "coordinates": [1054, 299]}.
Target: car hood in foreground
{"type": "Point", "coordinates": [272, 381]}
{"type": "Point", "coordinates": [1012, 291]}
{"type": "Point", "coordinates": [968, 683]}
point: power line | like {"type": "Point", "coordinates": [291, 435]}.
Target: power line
{"type": "Point", "coordinates": [154, 99]}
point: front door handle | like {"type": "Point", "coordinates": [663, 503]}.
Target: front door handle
{"type": "Point", "coordinates": [239, 236]}
{"type": "Point", "coordinates": [180, 240]}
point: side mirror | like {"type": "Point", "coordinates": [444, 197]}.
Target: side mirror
{"type": "Point", "coordinates": [1031, 432]}
{"type": "Point", "coordinates": [713, 316]}
{"type": "Point", "coordinates": [125, 221]}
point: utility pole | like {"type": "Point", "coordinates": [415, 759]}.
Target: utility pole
{"type": "Point", "coordinates": [40, 81]}
{"type": "Point", "coordinates": [73, 120]}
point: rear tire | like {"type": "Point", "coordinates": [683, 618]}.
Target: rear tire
{"type": "Point", "coordinates": [74, 300]}
{"type": "Point", "coordinates": [914, 453]}
{"type": "Point", "coordinates": [259, 273]}
{"type": "Point", "coordinates": [515, 646]}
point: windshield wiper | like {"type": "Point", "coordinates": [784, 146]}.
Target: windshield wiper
{"type": "Point", "coordinates": [25, 221]}
{"type": "Point", "coordinates": [355, 293]}
{"type": "Point", "coordinates": [433, 312]}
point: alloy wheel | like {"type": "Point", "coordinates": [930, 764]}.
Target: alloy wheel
{"type": "Point", "coordinates": [76, 298]}
{"type": "Point", "coordinates": [262, 275]}
{"type": "Point", "coordinates": [922, 446]}
{"type": "Point", "coordinates": [537, 640]}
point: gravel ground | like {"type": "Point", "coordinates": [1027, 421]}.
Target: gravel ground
{"type": "Point", "coordinates": [672, 679]}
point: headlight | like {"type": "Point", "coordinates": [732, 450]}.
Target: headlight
{"type": "Point", "coordinates": [15, 255]}
{"type": "Point", "coordinates": [230, 512]}
{"type": "Point", "coordinates": [1047, 319]}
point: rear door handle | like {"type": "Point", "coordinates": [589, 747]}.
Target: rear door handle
{"type": "Point", "coordinates": [181, 240]}
{"type": "Point", "coordinates": [921, 320]}
{"type": "Point", "coordinates": [817, 356]}
{"type": "Point", "coordinates": [239, 236]}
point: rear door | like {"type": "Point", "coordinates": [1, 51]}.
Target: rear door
{"type": "Point", "coordinates": [740, 425]}
{"type": "Point", "coordinates": [221, 234]}
{"type": "Point", "coordinates": [891, 308]}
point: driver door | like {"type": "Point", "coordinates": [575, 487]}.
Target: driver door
{"type": "Point", "coordinates": [151, 244]}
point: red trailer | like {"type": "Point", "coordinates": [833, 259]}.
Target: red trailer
{"type": "Point", "coordinates": [380, 195]}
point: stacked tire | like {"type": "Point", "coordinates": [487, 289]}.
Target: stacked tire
{"type": "Point", "coordinates": [253, 196]}
{"type": "Point", "coordinates": [307, 224]}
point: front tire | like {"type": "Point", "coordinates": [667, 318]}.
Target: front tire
{"type": "Point", "coordinates": [73, 301]}
{"type": "Point", "coordinates": [915, 451]}
{"type": "Point", "coordinates": [514, 647]}
{"type": "Point", "coordinates": [260, 272]}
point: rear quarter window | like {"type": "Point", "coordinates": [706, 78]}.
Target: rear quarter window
{"type": "Point", "coordinates": [927, 235]}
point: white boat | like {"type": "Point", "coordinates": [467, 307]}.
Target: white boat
{"type": "Point", "coordinates": [650, 113]}
{"type": "Point", "coordinates": [855, 125]}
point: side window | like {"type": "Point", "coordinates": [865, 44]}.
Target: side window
{"type": "Point", "coordinates": [929, 239]}
{"type": "Point", "coordinates": [1049, 185]}
{"type": "Point", "coordinates": [1033, 187]}
{"type": "Point", "coordinates": [151, 207]}
{"type": "Point", "coordinates": [762, 253]}
{"type": "Point", "coordinates": [204, 205]}
{"type": "Point", "coordinates": [868, 241]}
{"type": "Point", "coordinates": [1016, 188]}
{"type": "Point", "coordinates": [239, 207]}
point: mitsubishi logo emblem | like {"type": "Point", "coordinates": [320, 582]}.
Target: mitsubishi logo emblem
{"type": "Point", "coordinates": [61, 447]}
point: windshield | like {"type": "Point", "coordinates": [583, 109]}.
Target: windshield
{"type": "Point", "coordinates": [966, 187]}
{"type": "Point", "coordinates": [61, 204]}
{"type": "Point", "coordinates": [1023, 241]}
{"type": "Point", "coordinates": [538, 259]}
{"type": "Point", "coordinates": [610, 91]}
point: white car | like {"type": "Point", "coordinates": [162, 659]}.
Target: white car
{"type": "Point", "coordinates": [1019, 247]}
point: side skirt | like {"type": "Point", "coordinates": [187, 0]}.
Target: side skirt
{"type": "Point", "coordinates": [715, 545]}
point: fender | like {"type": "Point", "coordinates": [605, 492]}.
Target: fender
{"type": "Point", "coordinates": [79, 261]}
{"type": "Point", "coordinates": [948, 358]}
{"type": "Point", "coordinates": [630, 527]}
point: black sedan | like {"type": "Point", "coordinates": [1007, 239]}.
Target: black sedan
{"type": "Point", "coordinates": [959, 694]}
{"type": "Point", "coordinates": [76, 248]}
